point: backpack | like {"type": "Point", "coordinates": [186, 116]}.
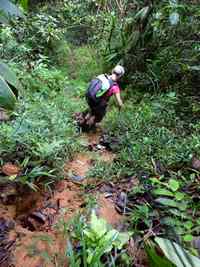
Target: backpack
{"type": "Point", "coordinates": [99, 86]}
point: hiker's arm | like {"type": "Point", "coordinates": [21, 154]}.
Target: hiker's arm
{"type": "Point", "coordinates": [119, 100]}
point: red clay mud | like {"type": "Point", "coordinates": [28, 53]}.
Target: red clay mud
{"type": "Point", "coordinates": [108, 212]}
{"type": "Point", "coordinates": [79, 166]}
{"type": "Point", "coordinates": [37, 241]}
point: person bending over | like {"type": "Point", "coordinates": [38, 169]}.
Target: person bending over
{"type": "Point", "coordinates": [99, 92]}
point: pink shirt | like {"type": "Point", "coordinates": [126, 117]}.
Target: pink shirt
{"type": "Point", "coordinates": [113, 90]}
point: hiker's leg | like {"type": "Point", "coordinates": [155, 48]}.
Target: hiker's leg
{"type": "Point", "coordinates": [100, 112]}
{"type": "Point", "coordinates": [90, 116]}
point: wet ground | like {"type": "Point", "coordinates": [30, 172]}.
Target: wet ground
{"type": "Point", "coordinates": [27, 222]}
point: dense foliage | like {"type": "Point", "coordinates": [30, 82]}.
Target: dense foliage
{"type": "Point", "coordinates": [54, 51]}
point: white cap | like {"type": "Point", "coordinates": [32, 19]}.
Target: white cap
{"type": "Point", "coordinates": [119, 70]}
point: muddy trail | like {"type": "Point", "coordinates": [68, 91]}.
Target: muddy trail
{"type": "Point", "coordinates": [29, 221]}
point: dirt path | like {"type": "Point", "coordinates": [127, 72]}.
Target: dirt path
{"type": "Point", "coordinates": [33, 240]}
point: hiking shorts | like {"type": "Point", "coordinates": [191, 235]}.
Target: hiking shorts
{"type": "Point", "coordinates": [97, 107]}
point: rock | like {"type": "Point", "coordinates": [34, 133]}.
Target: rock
{"type": "Point", "coordinates": [35, 221]}
{"type": "Point", "coordinates": [107, 188]}
{"type": "Point", "coordinates": [10, 169]}
{"type": "Point", "coordinates": [195, 163]}
{"type": "Point", "coordinates": [77, 178]}
{"type": "Point", "coordinates": [3, 115]}
{"type": "Point", "coordinates": [39, 216]}
{"type": "Point", "coordinates": [8, 193]}
{"type": "Point", "coordinates": [96, 147]}
{"type": "Point", "coordinates": [196, 243]}
{"type": "Point", "coordinates": [100, 147]}
{"type": "Point", "coordinates": [123, 197]}
{"type": "Point", "coordinates": [108, 195]}
{"type": "Point", "coordinates": [121, 203]}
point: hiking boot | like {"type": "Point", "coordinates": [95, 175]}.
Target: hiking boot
{"type": "Point", "coordinates": [91, 121]}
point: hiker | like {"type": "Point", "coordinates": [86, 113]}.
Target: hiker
{"type": "Point", "coordinates": [99, 92]}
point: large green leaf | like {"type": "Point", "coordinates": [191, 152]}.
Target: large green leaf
{"type": "Point", "coordinates": [98, 225]}
{"type": "Point", "coordinates": [9, 76]}
{"type": "Point", "coordinates": [132, 41]}
{"type": "Point", "coordinates": [167, 202]}
{"type": "Point", "coordinates": [156, 260]}
{"type": "Point", "coordinates": [3, 18]}
{"type": "Point", "coordinates": [197, 68]}
{"type": "Point", "coordinates": [7, 98]}
{"type": "Point", "coordinates": [163, 192]}
{"type": "Point", "coordinates": [172, 203]}
{"type": "Point", "coordinates": [10, 9]}
{"type": "Point", "coordinates": [173, 185]}
{"type": "Point", "coordinates": [24, 4]}
{"type": "Point", "coordinates": [176, 254]}
{"type": "Point", "coordinates": [143, 13]}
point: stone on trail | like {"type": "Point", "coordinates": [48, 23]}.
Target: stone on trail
{"type": "Point", "coordinates": [3, 115]}
{"type": "Point", "coordinates": [195, 163]}
{"type": "Point", "coordinates": [77, 178]}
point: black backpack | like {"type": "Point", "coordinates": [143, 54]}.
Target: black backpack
{"type": "Point", "coordinates": [99, 86]}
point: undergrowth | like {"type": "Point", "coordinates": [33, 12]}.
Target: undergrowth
{"type": "Point", "coordinates": [156, 135]}
{"type": "Point", "coordinates": [151, 130]}
{"type": "Point", "coordinates": [42, 131]}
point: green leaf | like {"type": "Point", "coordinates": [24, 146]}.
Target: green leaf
{"type": "Point", "coordinates": [188, 238]}
{"type": "Point", "coordinates": [178, 213]}
{"type": "Point", "coordinates": [142, 14]}
{"type": "Point", "coordinates": [156, 260]}
{"type": "Point", "coordinates": [171, 203]}
{"type": "Point", "coordinates": [24, 4]}
{"type": "Point", "coordinates": [167, 202]}
{"type": "Point", "coordinates": [12, 177]}
{"type": "Point", "coordinates": [98, 225]}
{"type": "Point", "coordinates": [89, 234]}
{"type": "Point", "coordinates": [179, 196]}
{"type": "Point", "coordinates": [163, 192]}
{"type": "Point", "coordinates": [108, 239]}
{"type": "Point", "coordinates": [132, 41]}
{"type": "Point", "coordinates": [156, 181]}
{"type": "Point", "coordinates": [9, 76]}
{"type": "Point", "coordinates": [3, 18]}
{"type": "Point", "coordinates": [188, 225]}
{"type": "Point", "coordinates": [122, 239]}
{"type": "Point", "coordinates": [176, 254]}
{"type": "Point", "coordinates": [173, 185]}
{"type": "Point", "coordinates": [169, 221]}
{"type": "Point", "coordinates": [7, 98]}
{"type": "Point", "coordinates": [197, 68]}
{"type": "Point", "coordinates": [10, 9]}
{"type": "Point", "coordinates": [32, 186]}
